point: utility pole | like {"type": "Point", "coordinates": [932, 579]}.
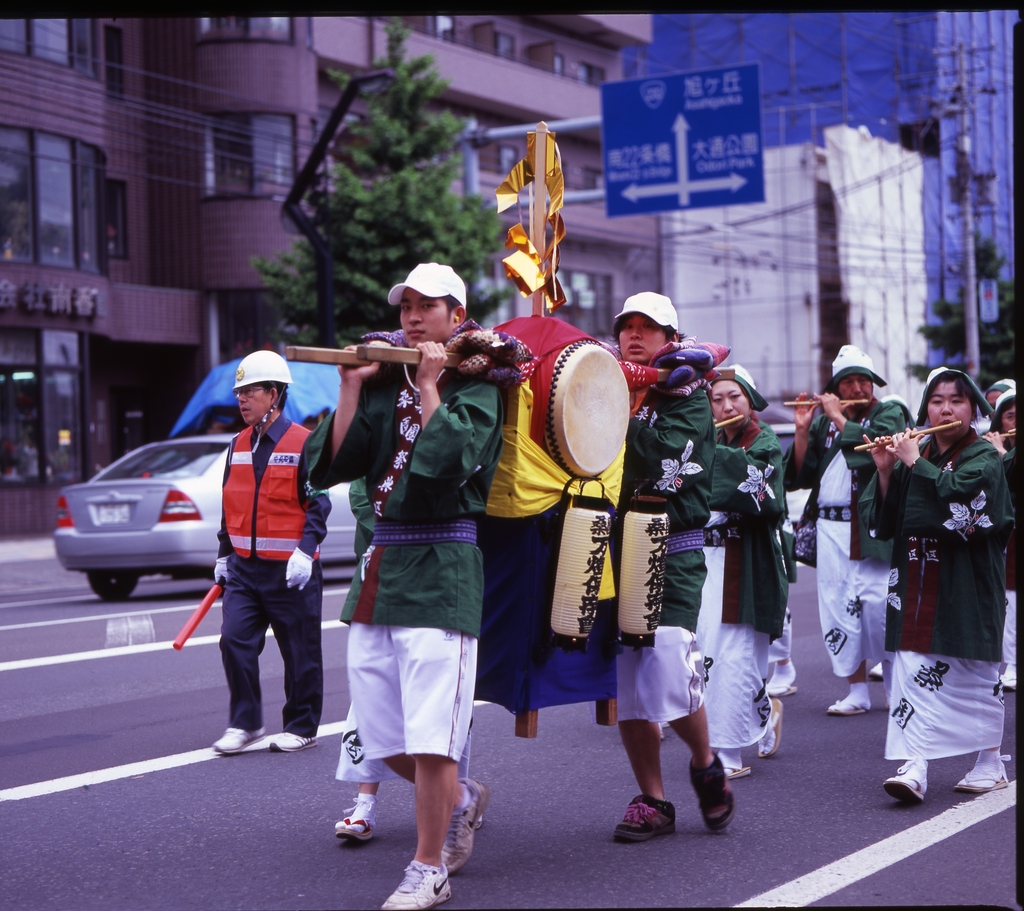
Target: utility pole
{"type": "Point", "coordinates": [965, 181]}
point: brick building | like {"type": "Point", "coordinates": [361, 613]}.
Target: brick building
{"type": "Point", "coordinates": [143, 163]}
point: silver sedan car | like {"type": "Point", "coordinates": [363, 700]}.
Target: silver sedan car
{"type": "Point", "coordinates": [157, 510]}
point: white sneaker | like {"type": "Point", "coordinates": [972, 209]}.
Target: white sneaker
{"type": "Point", "coordinates": [782, 679]}
{"type": "Point", "coordinates": [910, 783]}
{"type": "Point", "coordinates": [988, 774]}
{"type": "Point", "coordinates": [287, 742]}
{"type": "Point", "coordinates": [359, 820]}
{"type": "Point", "coordinates": [876, 672]}
{"type": "Point", "coordinates": [1009, 678]}
{"type": "Point", "coordinates": [769, 744]}
{"type": "Point", "coordinates": [458, 843]}
{"type": "Point", "coordinates": [235, 740]}
{"type": "Point", "coordinates": [423, 887]}
{"type": "Point", "coordinates": [849, 706]}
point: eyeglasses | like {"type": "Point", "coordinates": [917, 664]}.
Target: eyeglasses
{"type": "Point", "coordinates": [249, 391]}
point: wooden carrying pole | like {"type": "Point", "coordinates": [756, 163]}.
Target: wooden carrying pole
{"type": "Point", "coordinates": [538, 204]}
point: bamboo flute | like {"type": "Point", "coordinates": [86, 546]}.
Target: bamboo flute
{"type": "Point", "coordinates": [914, 434]}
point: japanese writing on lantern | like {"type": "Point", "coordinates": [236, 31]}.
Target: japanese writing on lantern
{"type": "Point", "coordinates": [600, 533]}
{"type": "Point", "coordinates": [657, 531]}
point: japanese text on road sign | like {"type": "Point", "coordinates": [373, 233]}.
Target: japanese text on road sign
{"type": "Point", "coordinates": [686, 141]}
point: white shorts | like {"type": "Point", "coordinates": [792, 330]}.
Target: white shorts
{"type": "Point", "coordinates": [354, 766]}
{"type": "Point", "coordinates": [414, 688]}
{"type": "Point", "coordinates": [851, 600]}
{"type": "Point", "coordinates": [942, 706]}
{"type": "Point", "coordinates": [664, 682]}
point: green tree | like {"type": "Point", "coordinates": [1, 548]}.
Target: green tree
{"type": "Point", "coordinates": [388, 207]}
{"type": "Point", "coordinates": [995, 340]}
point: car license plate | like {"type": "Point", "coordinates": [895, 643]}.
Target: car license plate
{"type": "Point", "coordinates": [113, 514]}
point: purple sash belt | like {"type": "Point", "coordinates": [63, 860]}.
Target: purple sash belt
{"type": "Point", "coordinates": [681, 541]}
{"type": "Point", "coordinates": [462, 531]}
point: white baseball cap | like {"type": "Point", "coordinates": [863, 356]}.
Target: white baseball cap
{"type": "Point", "coordinates": [431, 280]}
{"type": "Point", "coordinates": [658, 307]}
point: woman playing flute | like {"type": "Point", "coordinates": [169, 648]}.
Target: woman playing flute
{"type": "Point", "coordinates": [851, 566]}
{"type": "Point", "coordinates": [744, 597]}
{"type": "Point", "coordinates": [944, 503]}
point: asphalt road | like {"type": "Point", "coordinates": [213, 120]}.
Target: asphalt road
{"type": "Point", "coordinates": [256, 830]}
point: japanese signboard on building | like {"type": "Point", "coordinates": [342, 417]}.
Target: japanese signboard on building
{"type": "Point", "coordinates": [686, 141]}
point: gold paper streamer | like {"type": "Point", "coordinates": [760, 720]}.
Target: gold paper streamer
{"type": "Point", "coordinates": [524, 266]}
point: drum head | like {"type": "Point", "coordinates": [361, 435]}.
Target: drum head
{"type": "Point", "coordinates": [588, 410]}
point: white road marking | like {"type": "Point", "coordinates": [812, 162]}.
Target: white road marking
{"type": "Point", "coordinates": [134, 769]}
{"type": "Point", "coordinates": [117, 651]}
{"type": "Point", "coordinates": [159, 610]}
{"type": "Point", "coordinates": [50, 601]}
{"type": "Point", "coordinates": [129, 631]}
{"type": "Point", "coordinates": [854, 867]}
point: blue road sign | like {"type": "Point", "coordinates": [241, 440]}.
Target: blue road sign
{"type": "Point", "coordinates": [687, 141]}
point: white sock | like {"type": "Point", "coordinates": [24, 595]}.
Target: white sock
{"type": "Point", "coordinates": [859, 693]}
{"type": "Point", "coordinates": [465, 800]}
{"type": "Point", "coordinates": [730, 758]}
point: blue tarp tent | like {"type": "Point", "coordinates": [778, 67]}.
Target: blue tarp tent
{"type": "Point", "coordinates": [314, 388]}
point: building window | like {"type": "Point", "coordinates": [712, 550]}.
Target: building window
{"type": "Point", "coordinates": [245, 322]}
{"type": "Point", "coordinates": [49, 213]}
{"type": "Point", "coordinates": [267, 28]}
{"type": "Point", "coordinates": [15, 196]}
{"type": "Point", "coordinates": [56, 205]}
{"type": "Point", "coordinates": [444, 27]}
{"type": "Point", "coordinates": [113, 55]}
{"type": "Point", "coordinates": [591, 178]}
{"type": "Point", "coordinates": [590, 74]}
{"type": "Point", "coordinates": [250, 153]}
{"type": "Point", "coordinates": [117, 219]}
{"type": "Point", "coordinates": [83, 50]}
{"type": "Point", "coordinates": [588, 303]}
{"type": "Point", "coordinates": [19, 407]}
{"type": "Point", "coordinates": [12, 36]}
{"type": "Point", "coordinates": [40, 404]}
{"type": "Point", "coordinates": [558, 64]}
{"type": "Point", "coordinates": [50, 39]}
{"type": "Point", "coordinates": [504, 45]}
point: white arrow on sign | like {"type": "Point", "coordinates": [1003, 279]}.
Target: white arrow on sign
{"type": "Point", "coordinates": [684, 186]}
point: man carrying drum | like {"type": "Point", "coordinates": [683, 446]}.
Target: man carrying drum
{"type": "Point", "coordinates": [744, 597]}
{"type": "Point", "coordinates": [852, 566]}
{"type": "Point", "coordinates": [428, 443]}
{"type": "Point", "coordinates": [670, 446]}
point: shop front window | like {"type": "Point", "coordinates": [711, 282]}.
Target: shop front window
{"type": "Point", "coordinates": [19, 407]}
{"type": "Point", "coordinates": [61, 411]}
{"type": "Point", "coordinates": [53, 179]}
{"type": "Point", "coordinates": [246, 321]}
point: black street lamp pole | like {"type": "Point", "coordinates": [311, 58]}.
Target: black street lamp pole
{"type": "Point", "coordinates": [376, 81]}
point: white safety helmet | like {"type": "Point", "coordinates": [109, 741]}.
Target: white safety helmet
{"type": "Point", "coordinates": [262, 367]}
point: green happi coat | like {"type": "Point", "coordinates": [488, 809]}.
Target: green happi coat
{"type": "Point", "coordinates": [881, 419]}
{"type": "Point", "coordinates": [747, 484]}
{"type": "Point", "coordinates": [957, 606]}
{"type": "Point", "coordinates": [447, 476]}
{"type": "Point", "coordinates": [670, 443]}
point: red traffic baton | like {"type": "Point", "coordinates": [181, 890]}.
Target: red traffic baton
{"type": "Point", "coordinates": [197, 615]}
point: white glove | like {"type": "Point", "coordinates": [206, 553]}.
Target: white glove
{"type": "Point", "coordinates": [300, 568]}
{"type": "Point", "coordinates": [220, 571]}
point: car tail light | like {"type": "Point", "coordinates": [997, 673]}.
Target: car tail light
{"type": "Point", "coordinates": [64, 519]}
{"type": "Point", "coordinates": [178, 508]}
